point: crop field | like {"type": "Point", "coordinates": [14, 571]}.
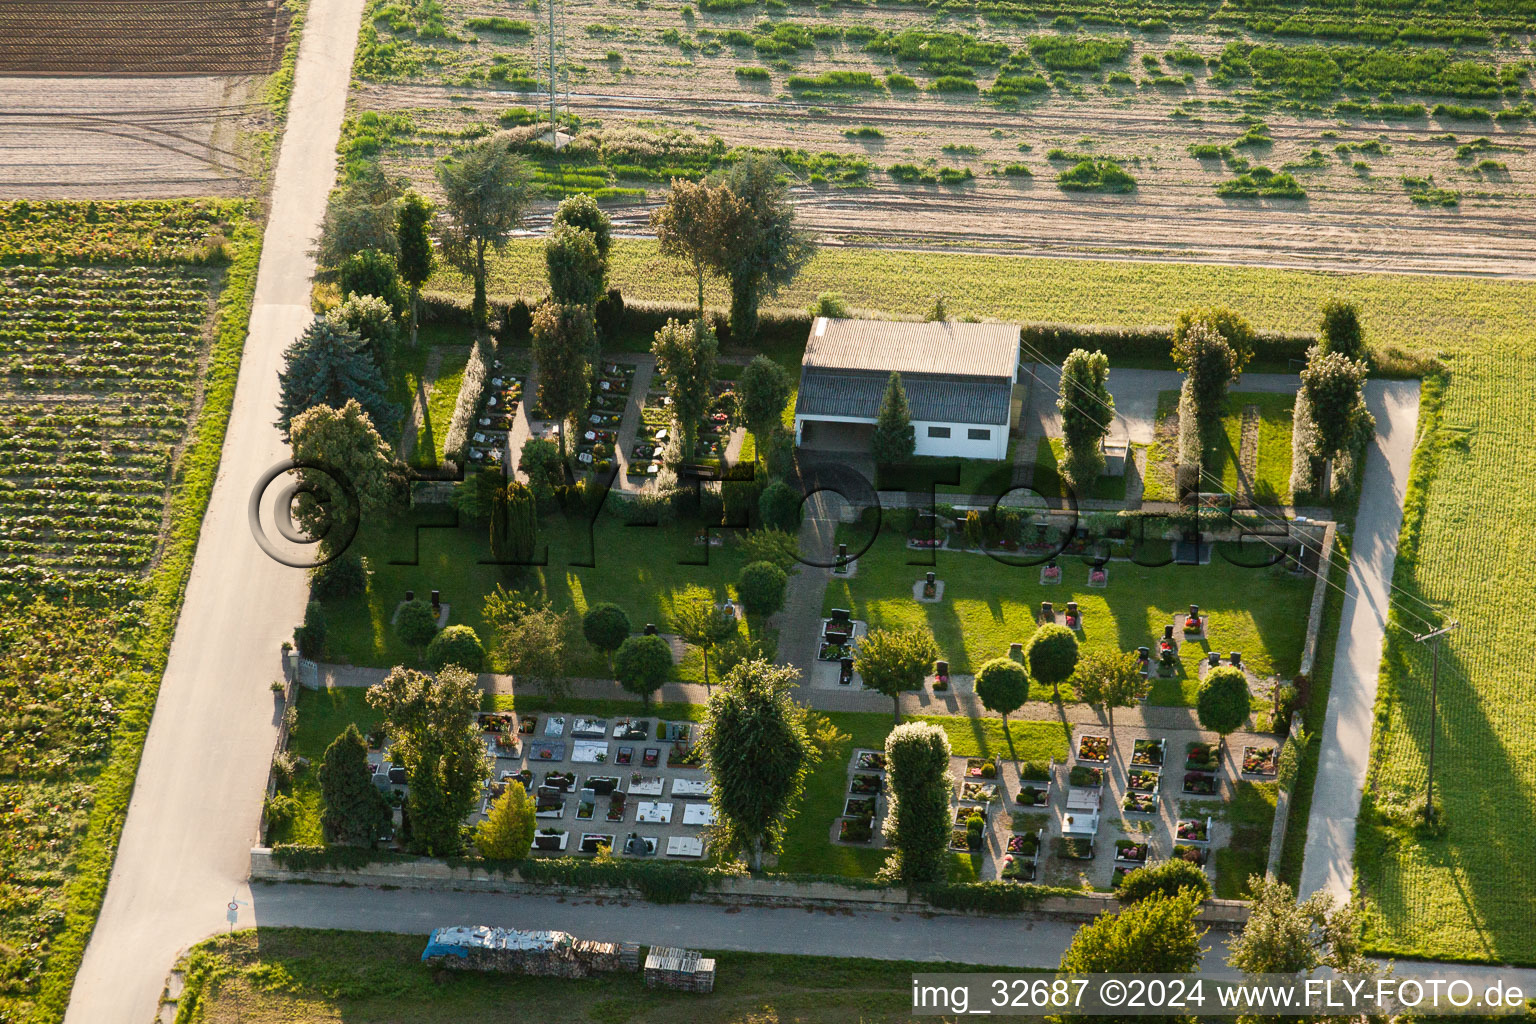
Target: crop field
{"type": "Point", "coordinates": [1211, 132]}
{"type": "Point", "coordinates": [120, 333]}
{"type": "Point", "coordinates": [1466, 545]}
{"type": "Point", "coordinates": [142, 37]}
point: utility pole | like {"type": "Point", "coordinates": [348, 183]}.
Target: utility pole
{"type": "Point", "coordinates": [554, 128]}
{"type": "Point", "coordinates": [1433, 637]}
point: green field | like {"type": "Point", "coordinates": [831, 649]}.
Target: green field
{"type": "Point", "coordinates": [989, 604]}
{"type": "Point", "coordinates": [283, 975]}
{"type": "Point", "coordinates": [1271, 484]}
{"type": "Point", "coordinates": [1467, 545]}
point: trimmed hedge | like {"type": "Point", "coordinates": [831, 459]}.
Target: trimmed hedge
{"type": "Point", "coordinates": [657, 881]}
{"type": "Point", "coordinates": [1056, 340]}
{"type": "Point", "coordinates": [471, 388]}
{"type": "Point", "coordinates": [298, 857]}
{"type": "Point", "coordinates": [990, 897]}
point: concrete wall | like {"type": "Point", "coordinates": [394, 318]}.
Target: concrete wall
{"type": "Point", "coordinates": [957, 444]}
{"type": "Point", "coordinates": [424, 873]}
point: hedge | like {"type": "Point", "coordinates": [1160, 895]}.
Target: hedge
{"type": "Point", "coordinates": [471, 388]}
{"type": "Point", "coordinates": [990, 897]}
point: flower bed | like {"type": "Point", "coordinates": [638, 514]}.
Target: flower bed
{"type": "Point", "coordinates": [869, 760]}
{"type": "Point", "coordinates": [1201, 757]}
{"type": "Point", "coordinates": [1093, 748]}
{"type": "Point", "coordinates": [864, 784]}
{"type": "Point", "coordinates": [1035, 771]}
{"type": "Point", "coordinates": [1025, 844]}
{"type": "Point", "coordinates": [1139, 803]}
{"type": "Point", "coordinates": [1194, 854]}
{"type": "Point", "coordinates": [856, 830]}
{"type": "Point", "coordinates": [1142, 781]}
{"type": "Point", "coordinates": [1259, 761]}
{"type": "Point", "coordinates": [1083, 775]}
{"type": "Point", "coordinates": [1074, 849]}
{"type": "Point", "coordinates": [1130, 851]}
{"type": "Point", "coordinates": [979, 792]}
{"type": "Point", "coordinates": [980, 768]}
{"type": "Point", "coordinates": [1148, 753]}
{"type": "Point", "coordinates": [860, 807]}
{"type": "Point", "coordinates": [1194, 830]}
{"type": "Point", "coordinates": [1033, 796]}
{"type": "Point", "coordinates": [1199, 784]}
{"type": "Point", "coordinates": [834, 652]}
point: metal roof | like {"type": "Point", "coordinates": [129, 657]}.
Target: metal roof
{"type": "Point", "coordinates": [942, 398]}
{"type": "Point", "coordinates": [935, 347]}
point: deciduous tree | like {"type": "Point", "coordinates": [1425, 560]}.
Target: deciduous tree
{"type": "Point", "coordinates": [641, 665]}
{"type": "Point", "coordinates": [766, 249]}
{"type": "Point", "coordinates": [1109, 681]}
{"type": "Point", "coordinates": [530, 639]}
{"type": "Point", "coordinates": [1051, 654]}
{"type": "Point", "coordinates": [758, 753]}
{"type": "Point", "coordinates": [413, 237]}
{"type": "Point", "coordinates": [693, 225]}
{"type": "Point", "coordinates": [761, 588]}
{"type": "Point", "coordinates": [581, 211]}
{"type": "Point", "coordinates": [353, 482]}
{"type": "Point", "coordinates": [1222, 702]}
{"type": "Point", "coordinates": [563, 342]}
{"type": "Point", "coordinates": [702, 624]}
{"type": "Point", "coordinates": [359, 215]}
{"type": "Point", "coordinates": [685, 358]}
{"type": "Point", "coordinates": [576, 267]}
{"type": "Point", "coordinates": [487, 190]}
{"type": "Point", "coordinates": [1340, 331]}
{"type": "Point", "coordinates": [1152, 936]}
{"type": "Point", "coordinates": [1002, 685]}
{"type": "Point", "coordinates": [430, 724]}
{"type": "Point", "coordinates": [371, 319]}
{"type": "Point", "coordinates": [1087, 411]}
{"type": "Point", "coordinates": [606, 626]}
{"type": "Point", "coordinates": [894, 661]}
{"type": "Point", "coordinates": [373, 272]}
{"type": "Point", "coordinates": [763, 388]}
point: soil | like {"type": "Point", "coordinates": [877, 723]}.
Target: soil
{"type": "Point", "coordinates": [1359, 218]}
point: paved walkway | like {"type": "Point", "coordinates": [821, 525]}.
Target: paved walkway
{"type": "Point", "coordinates": [1346, 743]}
{"type": "Point", "coordinates": [185, 847]}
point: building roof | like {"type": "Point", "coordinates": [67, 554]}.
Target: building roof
{"type": "Point", "coordinates": [935, 347]}
{"type": "Point", "coordinates": [943, 398]}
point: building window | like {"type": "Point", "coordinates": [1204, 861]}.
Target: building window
{"type": "Point", "coordinates": [938, 431]}
{"type": "Point", "coordinates": [978, 434]}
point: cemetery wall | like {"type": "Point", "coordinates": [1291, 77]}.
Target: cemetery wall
{"type": "Point", "coordinates": [425, 873]}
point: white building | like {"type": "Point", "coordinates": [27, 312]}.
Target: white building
{"type": "Point", "coordinates": [958, 377]}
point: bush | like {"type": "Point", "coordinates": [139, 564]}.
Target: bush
{"type": "Point", "coordinates": [1222, 702]}
{"type": "Point", "coordinates": [416, 624]}
{"type": "Point", "coordinates": [830, 304]}
{"type": "Point", "coordinates": [1163, 879]}
{"type": "Point", "coordinates": [341, 577]}
{"type": "Point", "coordinates": [310, 637]}
{"type": "Point", "coordinates": [609, 314]}
{"type": "Point", "coordinates": [779, 507]}
{"type": "Point", "coordinates": [456, 645]}
{"type": "Point", "coordinates": [1052, 654]}
{"type": "Point", "coordinates": [761, 588]}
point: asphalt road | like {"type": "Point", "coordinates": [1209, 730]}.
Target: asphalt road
{"type": "Point", "coordinates": [192, 819]}
{"type": "Point", "coordinates": [1345, 753]}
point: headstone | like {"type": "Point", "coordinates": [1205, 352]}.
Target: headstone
{"type": "Point", "coordinates": [1194, 611]}
{"type": "Point", "coordinates": [845, 671]}
{"type": "Point", "coordinates": [1072, 609]}
{"type": "Point", "coordinates": [1047, 610]}
{"type": "Point", "coordinates": [841, 615]}
{"type": "Point", "coordinates": [941, 669]}
{"type": "Point", "coordinates": [1143, 653]}
{"type": "Point", "coordinates": [410, 595]}
{"type": "Point", "coordinates": [1237, 658]}
{"type": "Point", "coordinates": [1016, 651]}
{"type": "Point", "coordinates": [842, 552]}
{"type": "Point", "coordinates": [1168, 632]}
{"type": "Point", "coordinates": [929, 577]}
{"type": "Point", "coordinates": [1213, 658]}
{"type": "Point", "coordinates": [437, 599]}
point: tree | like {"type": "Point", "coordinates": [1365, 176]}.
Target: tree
{"type": "Point", "coordinates": [309, 638]}
{"type": "Point", "coordinates": [606, 626]}
{"type": "Point", "coordinates": [761, 588]}
{"type": "Point", "coordinates": [487, 190]}
{"type": "Point", "coordinates": [1051, 654]}
{"type": "Point", "coordinates": [1333, 383]}
{"type": "Point", "coordinates": [758, 753]}
{"type": "Point", "coordinates": [413, 236]}
{"type": "Point", "coordinates": [577, 271]}
{"type": "Point", "coordinates": [894, 439]}
{"type": "Point", "coordinates": [1340, 331]}
{"type": "Point", "coordinates": [703, 624]}
{"type": "Point", "coordinates": [762, 389]}
{"type": "Point", "coordinates": [766, 249]}
{"type": "Point", "coordinates": [541, 463]}
{"type": "Point", "coordinates": [530, 640]}
{"type": "Point", "coordinates": [456, 645]}
{"type": "Point", "coordinates": [641, 665]}
{"type": "Point", "coordinates": [430, 723]}
{"type": "Point", "coordinates": [373, 272]}
{"type": "Point", "coordinates": [581, 211]}
{"type": "Point", "coordinates": [1003, 686]}
{"type": "Point", "coordinates": [507, 831]}
{"type": "Point", "coordinates": [1231, 327]}
{"type": "Point", "coordinates": [355, 812]}
{"type": "Point", "coordinates": [416, 624]}
{"type": "Point", "coordinates": [1165, 878]}
{"type": "Point", "coordinates": [514, 525]}
{"type": "Point", "coordinates": [1222, 701]}
{"type": "Point", "coordinates": [359, 215]}
{"type": "Point", "coordinates": [1087, 411]}
{"type": "Point", "coordinates": [918, 789]}
{"type": "Point", "coordinates": [893, 661]}
{"type": "Point", "coordinates": [692, 225]}
{"type": "Point", "coordinates": [1109, 681]}
{"type": "Point", "coordinates": [563, 342]}
{"type": "Point", "coordinates": [371, 319]}
{"type": "Point", "coordinates": [329, 366]}
{"type": "Point", "coordinates": [685, 358]}
{"type": "Point", "coordinates": [1153, 936]}
{"type": "Point", "coordinates": [779, 506]}
{"type": "Point", "coordinates": [348, 449]}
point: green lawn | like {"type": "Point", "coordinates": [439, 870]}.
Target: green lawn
{"type": "Point", "coordinates": [1048, 455]}
{"type": "Point", "coordinates": [1468, 547]}
{"type": "Point", "coordinates": [442, 395]}
{"type": "Point", "coordinates": [283, 975]}
{"type": "Point", "coordinates": [988, 605]}
{"type": "Point", "coordinates": [1251, 813]}
{"type": "Point", "coordinates": [1272, 483]}
{"type": "Point", "coordinates": [971, 476]}
{"type": "Point", "coordinates": [645, 570]}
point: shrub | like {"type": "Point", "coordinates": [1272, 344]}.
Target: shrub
{"type": "Point", "coordinates": [761, 588]}
{"type": "Point", "coordinates": [1052, 654]}
{"type": "Point", "coordinates": [917, 823]}
{"type": "Point", "coordinates": [416, 624]}
{"type": "Point", "coordinates": [641, 665]}
{"type": "Point", "coordinates": [606, 626]}
{"type": "Point", "coordinates": [310, 637]}
{"type": "Point", "coordinates": [456, 645]}
{"type": "Point", "coordinates": [779, 507]}
{"type": "Point", "coordinates": [1166, 878]}
{"type": "Point", "coordinates": [343, 576]}
{"type": "Point", "coordinates": [1096, 176]}
{"type": "Point", "coordinates": [507, 832]}
{"type": "Point", "coordinates": [1222, 704]}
